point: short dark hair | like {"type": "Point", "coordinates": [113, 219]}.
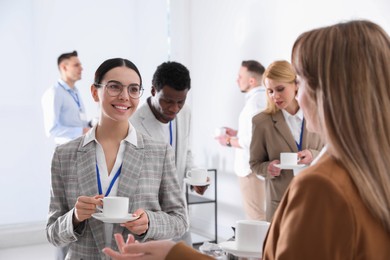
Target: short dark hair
{"type": "Point", "coordinates": [113, 63]}
{"type": "Point", "coordinates": [253, 66]}
{"type": "Point", "coordinates": [172, 74]}
{"type": "Point", "coordinates": [66, 56]}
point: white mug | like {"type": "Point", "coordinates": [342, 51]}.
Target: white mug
{"type": "Point", "coordinates": [219, 131]}
{"type": "Point", "coordinates": [197, 175]}
{"type": "Point", "coordinates": [288, 158]}
{"type": "Point", "coordinates": [115, 207]}
{"type": "Point", "coordinates": [250, 234]}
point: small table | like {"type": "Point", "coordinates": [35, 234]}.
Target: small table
{"type": "Point", "coordinates": [193, 199]}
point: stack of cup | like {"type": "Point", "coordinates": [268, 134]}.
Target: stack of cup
{"type": "Point", "coordinates": [250, 235]}
{"type": "Point", "coordinates": [197, 176]}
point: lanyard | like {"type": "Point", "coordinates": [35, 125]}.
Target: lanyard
{"type": "Point", "coordinates": [73, 94]}
{"type": "Point", "coordinates": [299, 145]}
{"type": "Point", "coordinates": [111, 183]}
{"type": "Point", "coordinates": [170, 133]}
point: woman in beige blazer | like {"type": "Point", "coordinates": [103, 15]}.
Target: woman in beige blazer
{"type": "Point", "coordinates": [280, 128]}
{"type": "Point", "coordinates": [113, 159]}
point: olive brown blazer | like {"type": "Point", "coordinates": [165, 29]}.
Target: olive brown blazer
{"type": "Point", "coordinates": [322, 216]}
{"type": "Point", "coordinates": [272, 136]}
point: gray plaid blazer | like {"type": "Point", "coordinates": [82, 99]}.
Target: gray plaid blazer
{"type": "Point", "coordinates": [148, 178]}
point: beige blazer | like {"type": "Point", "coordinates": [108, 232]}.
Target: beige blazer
{"type": "Point", "coordinates": [271, 136]}
{"type": "Point", "coordinates": [322, 216]}
{"type": "Point", "coordinates": [145, 122]}
{"type": "Point", "coordinates": [148, 178]}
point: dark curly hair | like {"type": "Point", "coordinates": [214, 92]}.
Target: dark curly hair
{"type": "Point", "coordinates": [172, 74]}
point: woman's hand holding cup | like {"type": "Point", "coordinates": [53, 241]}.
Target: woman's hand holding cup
{"type": "Point", "coordinates": [139, 226]}
{"type": "Point", "coordinates": [273, 171]}
{"type": "Point", "coordinates": [305, 157]}
{"type": "Point", "coordinates": [85, 206]}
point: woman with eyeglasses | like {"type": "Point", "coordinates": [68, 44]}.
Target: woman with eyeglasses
{"type": "Point", "coordinates": [113, 159]}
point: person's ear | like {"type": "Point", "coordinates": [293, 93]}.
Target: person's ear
{"type": "Point", "coordinates": [153, 91]}
{"type": "Point", "coordinates": [94, 92]}
{"type": "Point", "coordinates": [63, 65]}
{"type": "Point", "coordinates": [253, 82]}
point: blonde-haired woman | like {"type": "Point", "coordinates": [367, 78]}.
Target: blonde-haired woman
{"type": "Point", "coordinates": [280, 128]}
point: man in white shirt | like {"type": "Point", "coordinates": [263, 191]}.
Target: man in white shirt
{"type": "Point", "coordinates": [252, 187]}
{"type": "Point", "coordinates": [63, 109]}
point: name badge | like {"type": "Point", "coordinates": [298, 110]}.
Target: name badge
{"type": "Point", "coordinates": [83, 116]}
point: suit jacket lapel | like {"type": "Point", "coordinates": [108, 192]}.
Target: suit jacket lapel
{"type": "Point", "coordinates": [180, 132]}
{"type": "Point", "coordinates": [131, 169]}
{"type": "Point", "coordinates": [282, 127]}
{"type": "Point", "coordinates": [149, 124]}
{"type": "Point", "coordinates": [86, 172]}
{"type": "Point", "coordinates": [148, 120]}
{"type": "Point", "coordinates": [86, 169]}
{"type": "Point", "coordinates": [304, 136]}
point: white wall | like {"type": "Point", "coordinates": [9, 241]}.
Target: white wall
{"type": "Point", "coordinates": [33, 34]}
{"type": "Point", "coordinates": [210, 37]}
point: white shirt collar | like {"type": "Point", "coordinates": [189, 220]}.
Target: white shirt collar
{"type": "Point", "coordinates": [253, 91]}
{"type": "Point", "coordinates": [299, 114]}
{"type": "Point", "coordinates": [66, 86]}
{"type": "Point", "coordinates": [130, 138]}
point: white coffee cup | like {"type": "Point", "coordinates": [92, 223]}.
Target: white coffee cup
{"type": "Point", "coordinates": [220, 131]}
{"type": "Point", "coordinates": [288, 158]}
{"type": "Point", "coordinates": [250, 234]}
{"type": "Point", "coordinates": [197, 175]}
{"type": "Point", "coordinates": [115, 207]}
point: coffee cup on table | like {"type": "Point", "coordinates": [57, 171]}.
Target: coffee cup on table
{"type": "Point", "coordinates": [197, 175]}
{"type": "Point", "coordinates": [289, 158]}
{"type": "Point", "coordinates": [250, 235]}
{"type": "Point", "coordinates": [115, 207]}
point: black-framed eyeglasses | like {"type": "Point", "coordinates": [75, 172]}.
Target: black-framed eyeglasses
{"type": "Point", "coordinates": [115, 88]}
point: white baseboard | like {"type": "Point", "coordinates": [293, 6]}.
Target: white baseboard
{"type": "Point", "coordinates": [22, 234]}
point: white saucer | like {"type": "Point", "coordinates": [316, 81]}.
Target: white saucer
{"type": "Point", "coordinates": [290, 167]}
{"type": "Point", "coordinates": [231, 247]}
{"type": "Point", "coordinates": [101, 217]}
{"type": "Point", "coordinates": [194, 183]}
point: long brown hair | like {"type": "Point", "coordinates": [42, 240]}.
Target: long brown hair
{"type": "Point", "coordinates": [347, 68]}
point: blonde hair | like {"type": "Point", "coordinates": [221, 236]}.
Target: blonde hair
{"type": "Point", "coordinates": [282, 71]}
{"type": "Point", "coordinates": [347, 68]}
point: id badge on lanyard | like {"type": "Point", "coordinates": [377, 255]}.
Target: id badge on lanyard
{"type": "Point", "coordinates": [83, 116]}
